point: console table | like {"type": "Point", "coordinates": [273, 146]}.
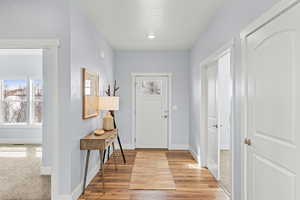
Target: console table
{"type": "Point", "coordinates": [94, 142]}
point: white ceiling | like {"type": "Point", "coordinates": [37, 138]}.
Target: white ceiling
{"type": "Point", "coordinates": [175, 23]}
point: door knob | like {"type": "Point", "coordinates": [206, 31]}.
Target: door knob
{"type": "Point", "coordinates": [215, 126]}
{"type": "Point", "coordinates": [165, 116]}
{"type": "Point", "coordinates": [248, 141]}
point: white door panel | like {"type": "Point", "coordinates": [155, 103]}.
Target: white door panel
{"type": "Point", "coordinates": [273, 64]}
{"type": "Point", "coordinates": [152, 112]}
{"type": "Point", "coordinates": [212, 121]}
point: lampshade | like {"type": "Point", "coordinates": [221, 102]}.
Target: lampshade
{"type": "Point", "coordinates": [108, 103]}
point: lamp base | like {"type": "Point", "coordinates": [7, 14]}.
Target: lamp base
{"type": "Point", "coordinates": [99, 132]}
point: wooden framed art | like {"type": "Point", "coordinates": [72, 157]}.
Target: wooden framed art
{"type": "Point", "coordinates": [90, 90]}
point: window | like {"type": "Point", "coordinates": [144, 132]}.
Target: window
{"type": "Point", "coordinates": [37, 101]}
{"type": "Point", "coordinates": [151, 87]}
{"type": "Point", "coordinates": [21, 102]}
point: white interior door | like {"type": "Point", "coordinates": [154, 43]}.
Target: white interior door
{"type": "Point", "coordinates": [213, 153]}
{"type": "Point", "coordinates": [152, 114]}
{"type": "Point", "coordinates": [273, 116]}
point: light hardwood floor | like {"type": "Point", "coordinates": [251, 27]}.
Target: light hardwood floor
{"type": "Point", "coordinates": [192, 182]}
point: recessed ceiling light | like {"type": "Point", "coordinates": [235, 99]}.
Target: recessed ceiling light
{"type": "Point", "coordinates": [151, 36]}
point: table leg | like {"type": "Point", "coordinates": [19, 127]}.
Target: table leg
{"type": "Point", "coordinates": [114, 155]}
{"type": "Point", "coordinates": [104, 155]}
{"type": "Point", "coordinates": [86, 170]}
{"type": "Point", "coordinates": [121, 148]}
{"type": "Point", "coordinates": [102, 166]}
{"type": "Point", "coordinates": [108, 152]}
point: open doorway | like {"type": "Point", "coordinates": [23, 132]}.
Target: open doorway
{"type": "Point", "coordinates": [225, 108]}
{"type": "Point", "coordinates": [217, 90]}
{"type": "Point", "coordinates": [21, 125]}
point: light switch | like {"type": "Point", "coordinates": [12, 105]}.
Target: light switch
{"type": "Point", "coordinates": [102, 55]}
{"type": "Point", "coordinates": [174, 107]}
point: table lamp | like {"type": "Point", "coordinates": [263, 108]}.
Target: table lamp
{"type": "Point", "coordinates": [109, 103]}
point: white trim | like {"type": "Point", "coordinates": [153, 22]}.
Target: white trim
{"type": "Point", "coordinates": [27, 52]}
{"type": "Point", "coordinates": [179, 147]}
{"type": "Point", "coordinates": [45, 171]}
{"type": "Point", "coordinates": [275, 11]}
{"type": "Point", "coordinates": [219, 53]}
{"type": "Point", "coordinates": [228, 47]}
{"type": "Point", "coordinates": [29, 43]}
{"type": "Point", "coordinates": [64, 197]}
{"type": "Point", "coordinates": [195, 156]}
{"type": "Point", "coordinates": [133, 78]}
{"type": "Point", "coordinates": [50, 63]}
{"type": "Point", "coordinates": [21, 140]}
{"type": "Point", "coordinates": [78, 190]}
{"type": "Point", "coordinates": [234, 134]}
{"type": "Point", "coordinates": [268, 16]}
{"type": "Point", "coordinates": [126, 146]}
{"type": "Point", "coordinates": [20, 126]}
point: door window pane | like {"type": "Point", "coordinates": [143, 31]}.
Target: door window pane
{"type": "Point", "coordinates": [151, 87]}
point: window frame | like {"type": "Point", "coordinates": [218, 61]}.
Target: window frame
{"type": "Point", "coordinates": [29, 99]}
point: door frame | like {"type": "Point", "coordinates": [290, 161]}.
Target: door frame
{"type": "Point", "coordinates": [205, 110]}
{"type": "Point", "coordinates": [268, 16]}
{"type": "Point", "coordinates": [169, 96]}
{"type": "Point", "coordinates": [51, 88]}
{"type": "Point", "coordinates": [228, 47]}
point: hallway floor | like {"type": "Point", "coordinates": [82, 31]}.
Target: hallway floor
{"type": "Point", "coordinates": [192, 182]}
{"type": "Point", "coordinates": [20, 177]}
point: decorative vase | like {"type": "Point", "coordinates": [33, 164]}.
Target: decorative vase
{"type": "Point", "coordinates": [108, 122]}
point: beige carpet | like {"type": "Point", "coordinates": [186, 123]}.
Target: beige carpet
{"type": "Point", "coordinates": [20, 177]}
{"type": "Point", "coordinates": [226, 169]}
{"type": "Point", "coordinates": [151, 172]}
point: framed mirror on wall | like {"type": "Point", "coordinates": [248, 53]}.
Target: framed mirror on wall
{"type": "Point", "coordinates": [90, 90]}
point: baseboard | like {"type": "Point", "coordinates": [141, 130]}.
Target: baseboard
{"type": "Point", "coordinates": [225, 148]}
{"type": "Point", "coordinates": [179, 147]}
{"type": "Point", "coordinates": [45, 170]}
{"type": "Point", "coordinates": [78, 190]}
{"type": "Point", "coordinates": [20, 141]}
{"type": "Point", "coordinates": [126, 146]}
{"type": "Point", "coordinates": [173, 147]}
{"type": "Point", "coordinates": [196, 156]}
{"type": "Point", "coordinates": [64, 197]}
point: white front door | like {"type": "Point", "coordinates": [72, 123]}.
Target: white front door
{"type": "Point", "coordinates": [152, 114]}
{"type": "Point", "coordinates": [212, 121]}
{"type": "Point", "coordinates": [273, 109]}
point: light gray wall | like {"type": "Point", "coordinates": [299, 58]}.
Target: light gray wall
{"type": "Point", "coordinates": [154, 62]}
{"type": "Point", "coordinates": [227, 24]}
{"type": "Point", "coordinates": [20, 67]}
{"type": "Point", "coordinates": [87, 45]}
{"type": "Point", "coordinates": [45, 19]}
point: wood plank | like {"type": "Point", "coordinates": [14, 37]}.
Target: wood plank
{"type": "Point", "coordinates": [192, 182]}
{"type": "Point", "coordinates": [151, 172]}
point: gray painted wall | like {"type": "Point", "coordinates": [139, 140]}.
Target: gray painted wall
{"type": "Point", "coordinates": [87, 45]}
{"type": "Point", "coordinates": [58, 19]}
{"type": "Point", "coordinates": [20, 67]}
{"type": "Point", "coordinates": [227, 24]}
{"type": "Point", "coordinates": [154, 62]}
{"type": "Point", "coordinates": [46, 20]}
